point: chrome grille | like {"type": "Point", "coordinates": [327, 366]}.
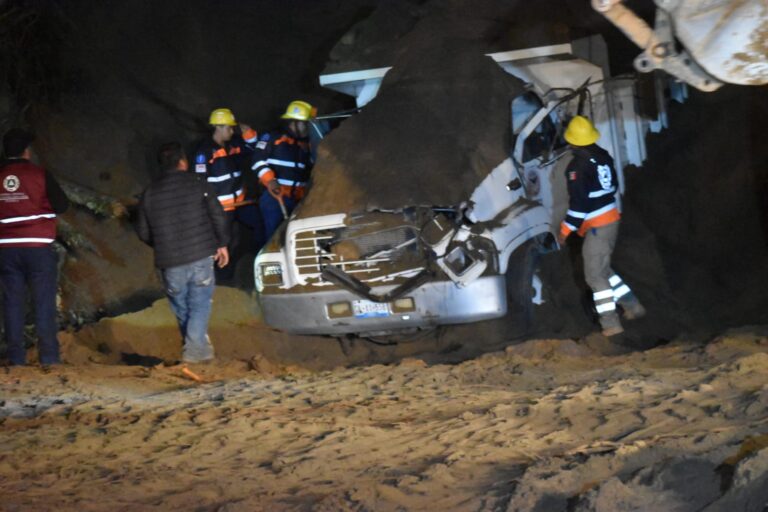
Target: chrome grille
{"type": "Point", "coordinates": [376, 258]}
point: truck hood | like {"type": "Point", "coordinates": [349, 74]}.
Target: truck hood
{"type": "Point", "coordinates": [439, 125]}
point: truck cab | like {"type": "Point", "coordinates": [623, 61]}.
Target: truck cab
{"type": "Point", "coordinates": [413, 268]}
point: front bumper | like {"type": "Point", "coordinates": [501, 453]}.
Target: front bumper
{"type": "Point", "coordinates": [436, 303]}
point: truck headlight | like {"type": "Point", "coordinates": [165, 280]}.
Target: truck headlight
{"type": "Point", "coordinates": [339, 309]}
{"type": "Point", "coordinates": [271, 274]}
{"type": "Point", "coordinates": [405, 305]}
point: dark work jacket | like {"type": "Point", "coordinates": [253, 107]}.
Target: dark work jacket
{"type": "Point", "coordinates": [280, 156]}
{"type": "Point", "coordinates": [592, 186]}
{"type": "Point", "coordinates": [223, 166]}
{"type": "Point", "coordinates": [180, 217]}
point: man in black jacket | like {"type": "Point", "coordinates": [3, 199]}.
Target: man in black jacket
{"type": "Point", "coordinates": [181, 218]}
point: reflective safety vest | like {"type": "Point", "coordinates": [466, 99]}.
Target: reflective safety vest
{"type": "Point", "coordinates": [27, 218]}
{"type": "Point", "coordinates": [592, 185]}
{"type": "Point", "coordinates": [286, 159]}
{"type": "Point", "coordinates": [222, 166]}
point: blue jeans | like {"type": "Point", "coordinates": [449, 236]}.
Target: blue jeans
{"type": "Point", "coordinates": [36, 267]}
{"type": "Point", "coordinates": [190, 291]}
{"type": "Point", "coordinates": [271, 212]}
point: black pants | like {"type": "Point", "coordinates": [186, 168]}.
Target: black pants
{"type": "Point", "coordinates": [35, 267]}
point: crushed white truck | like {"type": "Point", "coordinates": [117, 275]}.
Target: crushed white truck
{"type": "Point", "coordinates": [386, 272]}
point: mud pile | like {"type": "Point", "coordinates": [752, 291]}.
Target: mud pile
{"type": "Point", "coordinates": [549, 425]}
{"type": "Point", "coordinates": [126, 77]}
{"type": "Point", "coordinates": [693, 242]}
{"type": "Point", "coordinates": [439, 125]}
{"type": "Point", "coordinates": [693, 239]}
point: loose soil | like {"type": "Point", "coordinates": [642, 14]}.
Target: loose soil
{"type": "Point", "coordinates": [546, 425]}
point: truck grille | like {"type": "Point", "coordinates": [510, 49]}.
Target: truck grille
{"type": "Point", "coordinates": [367, 256]}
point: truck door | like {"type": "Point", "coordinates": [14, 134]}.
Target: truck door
{"type": "Point", "coordinates": [538, 155]}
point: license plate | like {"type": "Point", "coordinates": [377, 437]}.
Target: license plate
{"type": "Point", "coordinates": [370, 309]}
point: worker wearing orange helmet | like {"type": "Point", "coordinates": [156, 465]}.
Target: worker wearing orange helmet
{"type": "Point", "coordinates": [283, 162]}
{"type": "Point", "coordinates": [594, 214]}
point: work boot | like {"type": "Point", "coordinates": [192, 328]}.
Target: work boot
{"type": "Point", "coordinates": [611, 324]}
{"type": "Point", "coordinates": [632, 308]}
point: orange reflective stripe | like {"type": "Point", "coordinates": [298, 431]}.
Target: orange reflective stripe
{"type": "Point", "coordinates": [228, 204]}
{"type": "Point", "coordinates": [268, 176]}
{"type": "Point", "coordinates": [289, 140]}
{"type": "Point", "coordinates": [608, 217]}
{"type": "Point", "coordinates": [219, 153]}
{"type": "Point", "coordinates": [234, 150]}
{"type": "Point", "coordinates": [285, 139]}
{"type": "Point", "coordinates": [295, 192]}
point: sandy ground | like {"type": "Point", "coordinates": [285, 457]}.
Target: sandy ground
{"type": "Point", "coordinates": [546, 425]}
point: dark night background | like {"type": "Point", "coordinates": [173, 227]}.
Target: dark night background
{"type": "Point", "coordinates": [103, 83]}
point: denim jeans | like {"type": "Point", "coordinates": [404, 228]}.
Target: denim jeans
{"type": "Point", "coordinates": [190, 292]}
{"type": "Point", "coordinates": [36, 267]}
{"type": "Point", "coordinates": [271, 212]}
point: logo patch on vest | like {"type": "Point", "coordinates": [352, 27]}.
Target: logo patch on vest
{"type": "Point", "coordinates": [11, 183]}
{"type": "Point", "coordinates": [604, 175]}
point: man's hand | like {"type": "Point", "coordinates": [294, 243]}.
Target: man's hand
{"type": "Point", "coordinates": [561, 238]}
{"type": "Point", "coordinates": [222, 257]}
{"type": "Point", "coordinates": [274, 188]}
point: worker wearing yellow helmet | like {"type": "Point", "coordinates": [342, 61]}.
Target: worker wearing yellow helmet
{"type": "Point", "coordinates": [221, 159]}
{"type": "Point", "coordinates": [593, 213]}
{"type": "Point", "coordinates": [283, 163]}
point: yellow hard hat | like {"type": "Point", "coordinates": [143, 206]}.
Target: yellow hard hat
{"type": "Point", "coordinates": [298, 110]}
{"type": "Point", "coordinates": [222, 116]}
{"type": "Point", "coordinates": [581, 132]}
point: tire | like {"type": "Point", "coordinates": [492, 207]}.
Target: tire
{"type": "Point", "coordinates": [520, 290]}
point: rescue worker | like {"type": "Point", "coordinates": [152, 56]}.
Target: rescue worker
{"type": "Point", "coordinates": [30, 199]}
{"type": "Point", "coordinates": [283, 163]}
{"type": "Point", "coordinates": [594, 214]}
{"type": "Point", "coordinates": [221, 160]}
{"type": "Point", "coordinates": [181, 219]}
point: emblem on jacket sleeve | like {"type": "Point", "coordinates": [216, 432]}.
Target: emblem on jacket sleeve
{"type": "Point", "coordinates": [11, 183]}
{"type": "Point", "coordinates": [604, 175]}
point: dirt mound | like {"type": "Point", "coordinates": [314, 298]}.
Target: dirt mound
{"type": "Point", "coordinates": [694, 235]}
{"type": "Point", "coordinates": [438, 126]}
{"type": "Point", "coordinates": [692, 241]}
{"type": "Point", "coordinates": [120, 79]}
{"type": "Point", "coordinates": [681, 427]}
{"type": "Point", "coordinates": [111, 272]}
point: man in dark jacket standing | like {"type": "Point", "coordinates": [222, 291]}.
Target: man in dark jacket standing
{"type": "Point", "coordinates": [29, 200]}
{"type": "Point", "coordinates": [181, 218]}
